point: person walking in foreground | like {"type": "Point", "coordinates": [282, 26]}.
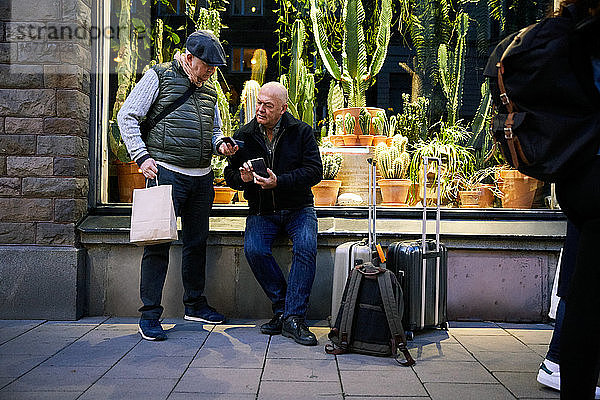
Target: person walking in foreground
{"type": "Point", "coordinates": [281, 202]}
{"type": "Point", "coordinates": [549, 371]}
{"type": "Point", "coordinates": [177, 151]}
{"type": "Point", "coordinates": [579, 197]}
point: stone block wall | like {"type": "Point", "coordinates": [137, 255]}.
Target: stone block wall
{"type": "Point", "coordinates": [45, 61]}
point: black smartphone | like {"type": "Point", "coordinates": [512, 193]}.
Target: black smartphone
{"type": "Point", "coordinates": [232, 141]}
{"type": "Point", "coordinates": [259, 166]}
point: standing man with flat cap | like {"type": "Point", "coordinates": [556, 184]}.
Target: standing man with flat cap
{"type": "Point", "coordinates": [176, 106]}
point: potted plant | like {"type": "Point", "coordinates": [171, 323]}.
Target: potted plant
{"type": "Point", "coordinates": [362, 136]}
{"type": "Point", "coordinates": [393, 162]}
{"type": "Point", "coordinates": [456, 160]}
{"type": "Point", "coordinates": [518, 190]}
{"type": "Point", "coordinates": [223, 193]}
{"type": "Point", "coordinates": [353, 75]}
{"type": "Point", "coordinates": [381, 127]}
{"type": "Point", "coordinates": [326, 191]}
{"type": "Point", "coordinates": [336, 131]}
{"type": "Point", "coordinates": [474, 192]}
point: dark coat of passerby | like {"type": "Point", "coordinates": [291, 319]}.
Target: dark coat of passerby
{"type": "Point", "coordinates": [579, 197]}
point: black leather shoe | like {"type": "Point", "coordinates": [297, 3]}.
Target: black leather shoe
{"type": "Point", "coordinates": [295, 328]}
{"type": "Point", "coordinates": [273, 327]}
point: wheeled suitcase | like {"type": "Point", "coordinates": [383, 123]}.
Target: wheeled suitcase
{"type": "Point", "coordinates": [422, 268]}
{"type": "Point", "coordinates": [349, 254]}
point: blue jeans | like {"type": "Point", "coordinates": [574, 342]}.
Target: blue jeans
{"type": "Point", "coordinates": [289, 298]}
{"type": "Point", "coordinates": [192, 198]}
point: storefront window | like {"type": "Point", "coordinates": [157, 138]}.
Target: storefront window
{"type": "Point", "coordinates": [408, 118]}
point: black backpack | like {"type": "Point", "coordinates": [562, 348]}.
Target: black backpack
{"type": "Point", "coordinates": [542, 86]}
{"type": "Point", "coordinates": [370, 316]}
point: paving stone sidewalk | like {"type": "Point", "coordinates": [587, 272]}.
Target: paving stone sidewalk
{"type": "Point", "coordinates": [104, 358]}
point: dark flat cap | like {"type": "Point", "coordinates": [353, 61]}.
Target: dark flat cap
{"type": "Point", "coordinates": [206, 46]}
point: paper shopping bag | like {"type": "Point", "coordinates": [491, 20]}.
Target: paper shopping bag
{"type": "Point", "coordinates": [153, 218]}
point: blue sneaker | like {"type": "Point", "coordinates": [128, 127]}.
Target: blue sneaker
{"type": "Point", "coordinates": [205, 314]}
{"type": "Point", "coordinates": [150, 329]}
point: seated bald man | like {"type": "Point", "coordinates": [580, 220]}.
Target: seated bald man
{"type": "Point", "coordinates": [280, 203]}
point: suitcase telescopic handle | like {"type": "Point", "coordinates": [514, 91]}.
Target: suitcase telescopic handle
{"type": "Point", "coordinates": [426, 161]}
{"type": "Point", "coordinates": [372, 202]}
{"type": "Point", "coordinates": [372, 199]}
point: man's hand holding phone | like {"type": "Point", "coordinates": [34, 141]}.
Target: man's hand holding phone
{"type": "Point", "coordinates": [229, 146]}
{"type": "Point", "coordinates": [262, 175]}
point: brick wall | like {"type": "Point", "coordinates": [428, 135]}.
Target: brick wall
{"type": "Point", "coordinates": [44, 119]}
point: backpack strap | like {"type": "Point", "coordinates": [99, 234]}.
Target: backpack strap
{"type": "Point", "coordinates": [348, 311]}
{"type": "Point", "coordinates": [393, 303]}
{"type": "Point", "coordinates": [344, 332]}
{"type": "Point", "coordinates": [149, 123]}
{"type": "Point", "coordinates": [514, 146]}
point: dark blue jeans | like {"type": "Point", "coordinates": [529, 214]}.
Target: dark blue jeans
{"type": "Point", "coordinates": [554, 348]}
{"type": "Point", "coordinates": [289, 298]}
{"type": "Point", "coordinates": [192, 198]}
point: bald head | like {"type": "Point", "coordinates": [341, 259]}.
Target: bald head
{"type": "Point", "coordinates": [276, 90]}
{"type": "Point", "coordinates": [271, 104]}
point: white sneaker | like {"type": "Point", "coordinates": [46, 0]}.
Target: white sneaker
{"type": "Point", "coordinates": [549, 375]}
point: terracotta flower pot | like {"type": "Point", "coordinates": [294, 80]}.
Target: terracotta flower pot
{"type": "Point", "coordinates": [129, 177]}
{"type": "Point", "coordinates": [486, 196]}
{"type": "Point", "coordinates": [379, 139]}
{"type": "Point", "coordinates": [394, 192]}
{"type": "Point", "coordinates": [364, 140]}
{"type": "Point", "coordinates": [240, 197]}
{"type": "Point", "coordinates": [337, 140]}
{"type": "Point", "coordinates": [469, 198]}
{"type": "Point", "coordinates": [480, 198]}
{"type": "Point", "coordinates": [349, 140]}
{"type": "Point", "coordinates": [518, 190]}
{"type": "Point", "coordinates": [223, 195]}
{"type": "Point", "coordinates": [326, 192]}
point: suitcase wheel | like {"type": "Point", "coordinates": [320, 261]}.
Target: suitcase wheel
{"type": "Point", "coordinates": [410, 335]}
{"type": "Point", "coordinates": [445, 326]}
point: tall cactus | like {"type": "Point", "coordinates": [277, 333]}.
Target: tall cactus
{"type": "Point", "coordinates": [452, 69]}
{"type": "Point", "coordinates": [354, 74]}
{"type": "Point", "coordinates": [259, 67]}
{"type": "Point", "coordinates": [248, 99]}
{"type": "Point", "coordinates": [211, 20]}
{"type": "Point", "coordinates": [299, 82]}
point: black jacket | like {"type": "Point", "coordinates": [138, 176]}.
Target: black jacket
{"type": "Point", "coordinates": [295, 161]}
